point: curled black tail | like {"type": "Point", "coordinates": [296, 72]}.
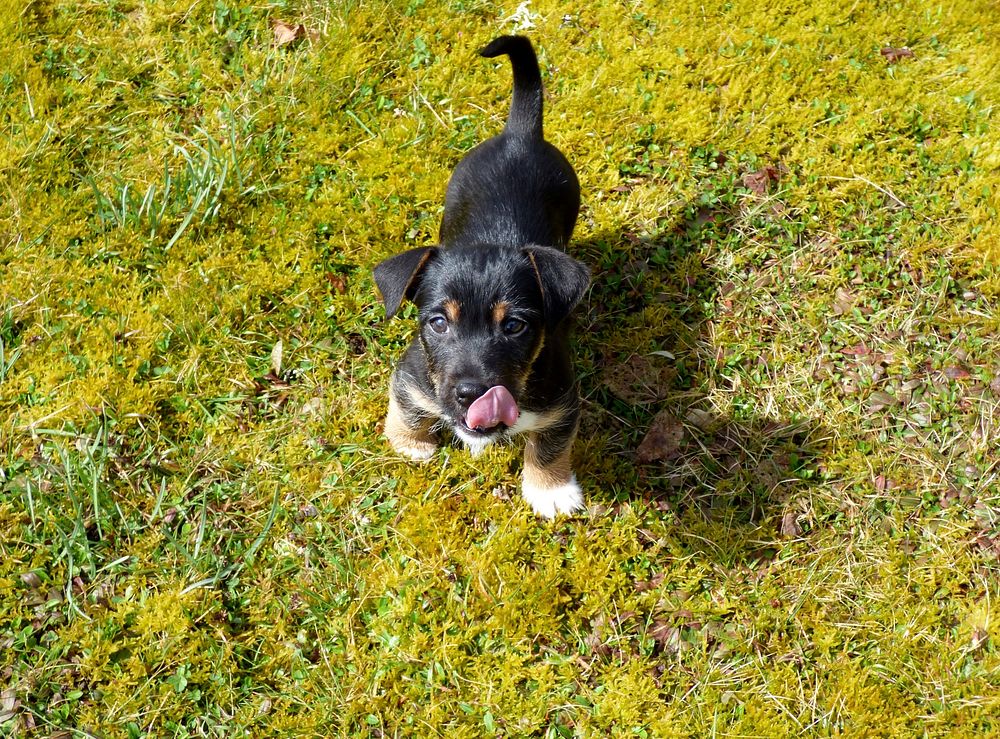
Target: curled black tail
{"type": "Point", "coordinates": [526, 108]}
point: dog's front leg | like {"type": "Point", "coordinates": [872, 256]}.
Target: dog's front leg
{"type": "Point", "coordinates": [549, 484]}
{"type": "Point", "coordinates": [407, 427]}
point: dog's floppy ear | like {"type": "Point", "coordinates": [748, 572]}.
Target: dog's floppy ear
{"type": "Point", "coordinates": [398, 277]}
{"type": "Point", "coordinates": [563, 280]}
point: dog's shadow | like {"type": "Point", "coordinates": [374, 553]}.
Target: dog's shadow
{"type": "Point", "coordinates": [652, 379]}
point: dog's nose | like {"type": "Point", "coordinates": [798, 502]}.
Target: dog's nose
{"type": "Point", "coordinates": [466, 392]}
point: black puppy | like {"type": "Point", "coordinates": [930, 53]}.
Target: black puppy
{"type": "Point", "coordinates": [491, 358]}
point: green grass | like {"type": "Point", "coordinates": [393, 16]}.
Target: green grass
{"type": "Point", "coordinates": [794, 243]}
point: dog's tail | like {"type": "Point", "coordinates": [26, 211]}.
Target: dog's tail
{"type": "Point", "coordinates": [526, 108]}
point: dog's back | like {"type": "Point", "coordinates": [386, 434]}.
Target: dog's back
{"type": "Point", "coordinates": [515, 188]}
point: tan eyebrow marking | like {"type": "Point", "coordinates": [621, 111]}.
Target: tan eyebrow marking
{"type": "Point", "coordinates": [452, 309]}
{"type": "Point", "coordinates": [500, 311]}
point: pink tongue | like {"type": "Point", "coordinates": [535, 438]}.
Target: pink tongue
{"type": "Point", "coordinates": [492, 408]}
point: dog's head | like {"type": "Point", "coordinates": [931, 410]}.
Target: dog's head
{"type": "Point", "coordinates": [484, 315]}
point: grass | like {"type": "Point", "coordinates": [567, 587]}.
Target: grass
{"type": "Point", "coordinates": [794, 242]}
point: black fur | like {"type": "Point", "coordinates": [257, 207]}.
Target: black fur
{"type": "Point", "coordinates": [516, 188]}
{"type": "Point", "coordinates": [397, 276]}
{"type": "Point", "coordinates": [510, 209]}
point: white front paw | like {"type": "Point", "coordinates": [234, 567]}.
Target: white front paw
{"type": "Point", "coordinates": [548, 502]}
{"type": "Point", "coordinates": [418, 451]}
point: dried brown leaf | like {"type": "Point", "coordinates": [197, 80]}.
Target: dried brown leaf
{"type": "Point", "coordinates": [287, 33]}
{"type": "Point", "coordinates": [980, 638]}
{"type": "Point", "coordinates": [893, 54]}
{"type": "Point", "coordinates": [641, 586]}
{"type": "Point", "coordinates": [338, 283]}
{"type": "Point", "coordinates": [790, 528]}
{"type": "Point", "coordinates": [700, 419]}
{"type": "Point", "coordinates": [277, 352]}
{"type": "Point", "coordinates": [765, 280]}
{"type": "Point", "coordinates": [666, 636]}
{"type": "Point", "coordinates": [639, 379]}
{"type": "Point", "coordinates": [858, 350]}
{"type": "Point", "coordinates": [8, 700]}
{"type": "Point", "coordinates": [759, 181]}
{"type": "Point", "coordinates": [880, 400]}
{"type": "Point", "coordinates": [957, 373]}
{"type": "Point", "coordinates": [949, 496]}
{"type": "Point", "coordinates": [662, 440]}
{"type": "Point", "coordinates": [995, 385]}
{"type": "Point", "coordinates": [843, 301]}
{"type": "Point", "coordinates": [595, 639]}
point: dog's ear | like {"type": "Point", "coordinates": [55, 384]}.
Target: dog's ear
{"type": "Point", "coordinates": [563, 280]}
{"type": "Point", "coordinates": [398, 277]}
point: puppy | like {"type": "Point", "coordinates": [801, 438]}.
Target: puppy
{"type": "Point", "coordinates": [491, 358]}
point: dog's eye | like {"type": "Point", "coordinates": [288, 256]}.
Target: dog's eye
{"type": "Point", "coordinates": [439, 324]}
{"type": "Point", "coordinates": [514, 326]}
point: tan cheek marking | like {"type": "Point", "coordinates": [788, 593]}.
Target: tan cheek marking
{"type": "Point", "coordinates": [556, 473]}
{"type": "Point", "coordinates": [437, 379]}
{"type": "Point", "coordinates": [500, 311]}
{"type": "Point", "coordinates": [452, 310]}
{"type": "Point", "coordinates": [531, 362]}
{"type": "Point", "coordinates": [542, 421]}
{"type": "Point", "coordinates": [538, 274]}
{"type": "Point", "coordinates": [422, 401]}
